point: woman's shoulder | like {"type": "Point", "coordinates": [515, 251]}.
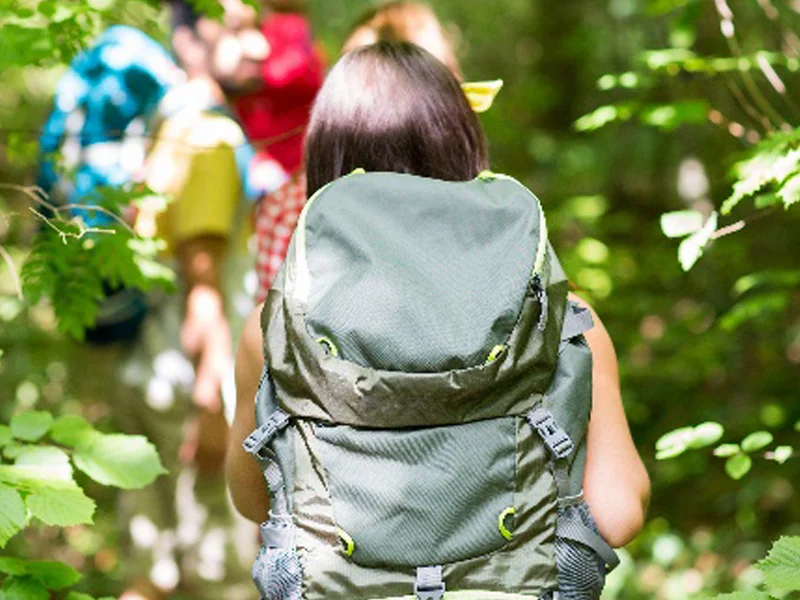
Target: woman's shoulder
{"type": "Point", "coordinates": [597, 337]}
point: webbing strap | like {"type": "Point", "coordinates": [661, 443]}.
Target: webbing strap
{"type": "Point", "coordinates": [257, 444]}
{"type": "Point", "coordinates": [429, 584]}
{"type": "Point", "coordinates": [578, 532]}
{"type": "Point", "coordinates": [577, 320]}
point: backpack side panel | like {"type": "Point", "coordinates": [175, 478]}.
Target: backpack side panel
{"type": "Point", "coordinates": [581, 571]}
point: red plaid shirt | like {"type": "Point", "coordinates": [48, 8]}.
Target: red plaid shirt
{"type": "Point", "coordinates": [276, 218]}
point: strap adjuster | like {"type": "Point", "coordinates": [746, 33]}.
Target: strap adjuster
{"type": "Point", "coordinates": [429, 593]}
{"type": "Point", "coordinates": [551, 432]}
{"type": "Point", "coordinates": [429, 584]}
{"type": "Point", "coordinates": [262, 436]}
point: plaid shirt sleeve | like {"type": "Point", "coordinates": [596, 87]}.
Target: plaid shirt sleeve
{"type": "Point", "coordinates": [276, 218]}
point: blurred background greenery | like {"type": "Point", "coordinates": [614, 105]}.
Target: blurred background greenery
{"type": "Point", "coordinates": [613, 112]}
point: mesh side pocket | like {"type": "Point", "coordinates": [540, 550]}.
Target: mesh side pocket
{"type": "Point", "coordinates": [581, 571]}
{"type": "Point", "coordinates": [278, 574]}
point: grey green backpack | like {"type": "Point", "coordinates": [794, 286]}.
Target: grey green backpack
{"type": "Point", "coordinates": [423, 411]}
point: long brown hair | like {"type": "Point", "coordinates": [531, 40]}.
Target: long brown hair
{"type": "Point", "coordinates": [392, 106]}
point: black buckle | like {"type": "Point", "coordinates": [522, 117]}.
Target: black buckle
{"type": "Point", "coordinates": [553, 435]}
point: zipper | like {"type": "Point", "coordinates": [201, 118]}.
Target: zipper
{"type": "Point", "coordinates": [535, 287]}
{"type": "Point", "coordinates": [536, 290]}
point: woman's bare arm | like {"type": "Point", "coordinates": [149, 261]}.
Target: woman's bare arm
{"type": "Point", "coordinates": [616, 485]}
{"type": "Point", "coordinates": [245, 482]}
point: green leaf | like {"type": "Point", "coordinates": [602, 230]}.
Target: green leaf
{"type": "Point", "coordinates": [756, 441]}
{"type": "Point", "coordinates": [669, 116]}
{"type": "Point", "coordinates": [45, 462]}
{"type": "Point", "coordinates": [725, 450]}
{"type": "Point", "coordinates": [12, 514]}
{"type": "Point", "coordinates": [53, 575]}
{"type": "Point", "coordinates": [706, 434]}
{"type": "Point", "coordinates": [680, 223]}
{"type": "Point", "coordinates": [124, 461]}
{"type": "Point", "coordinates": [671, 452]}
{"type": "Point", "coordinates": [24, 588]}
{"type": "Point", "coordinates": [31, 425]}
{"type": "Point", "coordinates": [738, 465]}
{"type": "Point", "coordinates": [782, 453]}
{"type": "Point", "coordinates": [13, 450]}
{"type": "Point", "coordinates": [773, 164]}
{"type": "Point", "coordinates": [782, 566]}
{"type": "Point", "coordinates": [72, 430]}
{"type": "Point", "coordinates": [63, 505]}
{"type": "Point", "coordinates": [790, 191]}
{"type": "Point", "coordinates": [12, 566]}
{"type": "Point", "coordinates": [691, 249]}
{"type": "Point", "coordinates": [676, 437]}
{"type": "Point", "coordinates": [5, 435]}
{"type": "Point", "coordinates": [78, 596]}
{"type": "Point", "coordinates": [604, 115]}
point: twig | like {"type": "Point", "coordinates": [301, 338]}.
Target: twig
{"type": "Point", "coordinates": [38, 195]}
{"type": "Point", "coordinates": [68, 234]}
{"type": "Point", "coordinates": [14, 275]}
{"type": "Point", "coordinates": [729, 33]}
{"type": "Point", "coordinates": [790, 38]}
{"type": "Point", "coordinates": [775, 81]}
{"type": "Point", "coordinates": [740, 224]}
{"type": "Point", "coordinates": [747, 107]}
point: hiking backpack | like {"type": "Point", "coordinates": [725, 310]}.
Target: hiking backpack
{"type": "Point", "coordinates": [423, 409]}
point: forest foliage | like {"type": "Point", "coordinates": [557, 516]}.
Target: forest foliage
{"type": "Point", "coordinates": [662, 137]}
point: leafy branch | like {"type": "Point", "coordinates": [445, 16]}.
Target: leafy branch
{"type": "Point", "coordinates": [73, 264]}
{"type": "Point", "coordinates": [781, 570]}
{"type": "Point", "coordinates": [738, 457]}
{"type": "Point", "coordinates": [39, 456]}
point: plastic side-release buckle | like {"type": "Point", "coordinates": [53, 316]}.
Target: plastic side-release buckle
{"type": "Point", "coordinates": [429, 584]}
{"type": "Point", "coordinates": [551, 432]}
{"type": "Point", "coordinates": [262, 436]}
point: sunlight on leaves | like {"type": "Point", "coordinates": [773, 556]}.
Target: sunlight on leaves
{"type": "Point", "coordinates": [692, 248]}
{"type": "Point", "coordinates": [782, 453]}
{"type": "Point", "coordinates": [680, 223]}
